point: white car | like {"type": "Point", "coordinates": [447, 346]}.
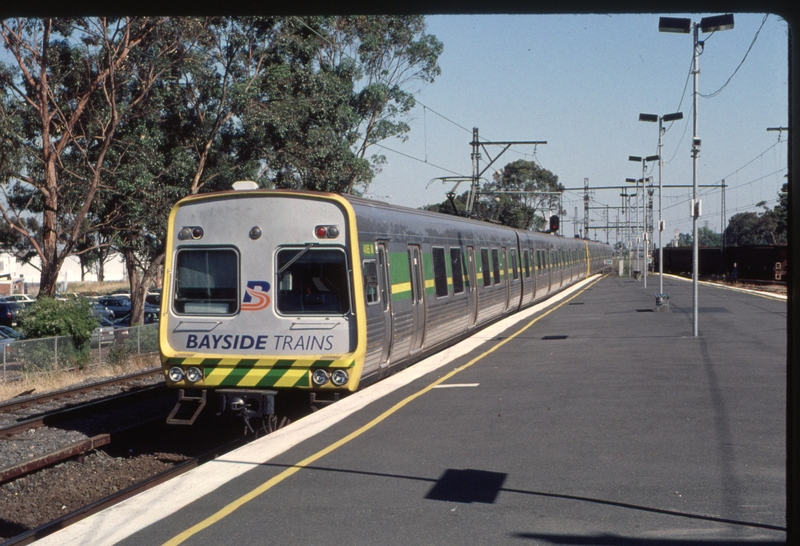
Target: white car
{"type": "Point", "coordinates": [19, 298]}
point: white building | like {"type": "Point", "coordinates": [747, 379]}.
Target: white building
{"type": "Point", "coordinates": [18, 278]}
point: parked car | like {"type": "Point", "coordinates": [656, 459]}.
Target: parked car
{"type": "Point", "coordinates": [150, 317]}
{"type": "Point", "coordinates": [153, 298]}
{"type": "Point", "coordinates": [10, 332]}
{"type": "Point", "coordinates": [101, 311]}
{"type": "Point", "coordinates": [103, 334]}
{"type": "Point", "coordinates": [123, 324]}
{"type": "Point", "coordinates": [19, 298]}
{"type": "Point", "coordinates": [8, 313]}
{"type": "Point", "coordinates": [119, 305]}
{"type": "Point", "coordinates": [5, 339]}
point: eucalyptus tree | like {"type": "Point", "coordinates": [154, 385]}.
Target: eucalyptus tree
{"type": "Point", "coordinates": [538, 195]}
{"type": "Point", "coordinates": [69, 87]}
{"type": "Point", "coordinates": [387, 55]}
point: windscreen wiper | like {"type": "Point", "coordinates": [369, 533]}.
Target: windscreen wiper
{"type": "Point", "coordinates": [296, 257]}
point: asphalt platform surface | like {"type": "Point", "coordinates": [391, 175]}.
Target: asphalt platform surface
{"type": "Point", "coordinates": [597, 420]}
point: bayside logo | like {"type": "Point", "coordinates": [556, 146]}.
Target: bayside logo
{"type": "Point", "coordinates": [255, 297]}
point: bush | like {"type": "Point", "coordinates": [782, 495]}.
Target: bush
{"type": "Point", "coordinates": [49, 317]}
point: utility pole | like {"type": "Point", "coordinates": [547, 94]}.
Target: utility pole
{"type": "Point", "coordinates": [477, 173]}
{"type": "Point", "coordinates": [586, 207]}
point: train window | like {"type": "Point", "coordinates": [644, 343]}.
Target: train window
{"type": "Point", "coordinates": [514, 270]}
{"type": "Point", "coordinates": [496, 265]}
{"type": "Point", "coordinates": [371, 282]}
{"type": "Point", "coordinates": [206, 282]}
{"type": "Point", "coordinates": [526, 258]}
{"type": "Point", "coordinates": [485, 267]}
{"type": "Point", "coordinates": [439, 272]}
{"type": "Point", "coordinates": [312, 281]}
{"type": "Point", "coordinates": [456, 265]}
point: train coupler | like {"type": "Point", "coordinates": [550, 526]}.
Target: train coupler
{"type": "Point", "coordinates": [246, 404]}
{"type": "Point", "coordinates": [187, 408]}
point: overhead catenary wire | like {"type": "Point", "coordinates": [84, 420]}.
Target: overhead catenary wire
{"type": "Point", "coordinates": [718, 91]}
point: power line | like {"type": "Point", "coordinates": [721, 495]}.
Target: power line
{"type": "Point", "coordinates": [443, 116]}
{"type": "Point", "coordinates": [418, 159]}
{"type": "Point", "coordinates": [718, 91]}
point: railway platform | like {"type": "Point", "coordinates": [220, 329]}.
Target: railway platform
{"type": "Point", "coordinates": [590, 419]}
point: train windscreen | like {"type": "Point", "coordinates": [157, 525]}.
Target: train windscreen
{"type": "Point", "coordinates": [312, 281]}
{"type": "Point", "coordinates": [206, 282]}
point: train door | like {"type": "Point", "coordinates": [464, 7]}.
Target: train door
{"type": "Point", "coordinates": [386, 301]}
{"type": "Point", "coordinates": [417, 298]}
{"type": "Point", "coordinates": [473, 286]}
{"type": "Point", "coordinates": [506, 275]}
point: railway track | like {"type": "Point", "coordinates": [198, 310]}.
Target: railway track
{"type": "Point", "coordinates": [50, 527]}
{"type": "Point", "coordinates": [19, 403]}
{"type": "Point", "coordinates": [106, 464]}
{"type": "Point", "coordinates": [64, 415]}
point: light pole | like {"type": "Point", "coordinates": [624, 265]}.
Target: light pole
{"type": "Point", "coordinates": [644, 161]}
{"type": "Point", "coordinates": [685, 26]}
{"type": "Point", "coordinates": [631, 237]}
{"type": "Point", "coordinates": [661, 131]}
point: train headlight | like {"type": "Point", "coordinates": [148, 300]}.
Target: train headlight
{"type": "Point", "coordinates": [175, 374]}
{"type": "Point", "coordinates": [339, 377]}
{"type": "Point", "coordinates": [193, 375]}
{"type": "Point", "coordinates": [320, 377]}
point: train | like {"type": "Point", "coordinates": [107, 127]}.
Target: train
{"type": "Point", "coordinates": [753, 263]}
{"type": "Point", "coordinates": [282, 291]}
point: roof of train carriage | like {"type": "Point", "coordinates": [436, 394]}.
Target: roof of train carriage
{"type": "Point", "coordinates": [361, 201]}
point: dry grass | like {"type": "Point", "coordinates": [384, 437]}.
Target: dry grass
{"type": "Point", "coordinates": [97, 288]}
{"type": "Point", "coordinates": [40, 384]}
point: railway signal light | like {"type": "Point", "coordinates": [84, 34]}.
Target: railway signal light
{"type": "Point", "coordinates": [554, 223]}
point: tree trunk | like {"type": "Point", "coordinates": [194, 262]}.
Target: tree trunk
{"type": "Point", "coordinates": [139, 283]}
{"type": "Point", "coordinates": [138, 294]}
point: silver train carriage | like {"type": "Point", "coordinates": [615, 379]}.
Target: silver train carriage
{"type": "Point", "coordinates": [270, 290]}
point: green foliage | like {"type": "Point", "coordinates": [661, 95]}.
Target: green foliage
{"type": "Point", "coordinates": [106, 122]}
{"type": "Point", "coordinates": [48, 317]}
{"type": "Point", "coordinates": [706, 237]}
{"type": "Point", "coordinates": [527, 210]}
{"type": "Point", "coordinates": [765, 228]}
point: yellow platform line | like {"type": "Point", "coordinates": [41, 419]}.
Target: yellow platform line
{"type": "Point", "coordinates": [275, 480]}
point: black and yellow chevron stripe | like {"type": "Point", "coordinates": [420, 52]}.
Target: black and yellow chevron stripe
{"type": "Point", "coordinates": [254, 372]}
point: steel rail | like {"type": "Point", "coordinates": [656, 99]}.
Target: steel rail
{"type": "Point", "coordinates": [77, 515]}
{"type": "Point", "coordinates": [75, 412]}
{"type": "Point", "coordinates": [14, 404]}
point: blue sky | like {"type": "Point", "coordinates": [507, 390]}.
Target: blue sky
{"type": "Point", "coordinates": [579, 82]}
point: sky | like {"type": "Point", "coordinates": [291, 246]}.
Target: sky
{"type": "Point", "coordinates": [580, 82]}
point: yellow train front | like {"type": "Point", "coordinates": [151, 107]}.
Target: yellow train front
{"type": "Point", "coordinates": [258, 297]}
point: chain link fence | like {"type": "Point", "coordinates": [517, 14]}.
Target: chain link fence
{"type": "Point", "coordinates": [108, 347]}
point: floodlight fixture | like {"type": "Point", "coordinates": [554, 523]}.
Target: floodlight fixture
{"type": "Point", "coordinates": [717, 22]}
{"type": "Point", "coordinates": [631, 180]}
{"type": "Point", "coordinates": [634, 158]}
{"type": "Point", "coordinates": [652, 157]}
{"type": "Point", "coordinates": [674, 24]}
{"type": "Point", "coordinates": [672, 117]}
{"type": "Point", "coordinates": [648, 117]}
